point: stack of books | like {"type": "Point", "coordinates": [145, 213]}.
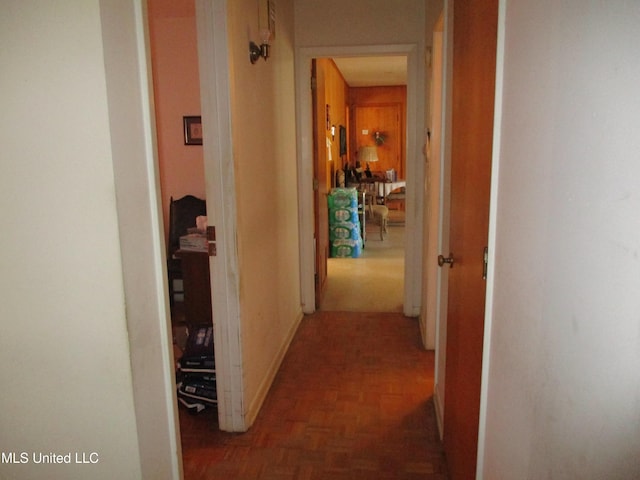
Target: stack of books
{"type": "Point", "coordinates": [196, 374]}
{"type": "Point", "coordinates": [194, 241]}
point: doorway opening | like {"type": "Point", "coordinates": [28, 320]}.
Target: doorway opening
{"type": "Point", "coordinates": [413, 237]}
{"type": "Point", "coordinates": [363, 100]}
{"type": "Point", "coordinates": [316, 183]}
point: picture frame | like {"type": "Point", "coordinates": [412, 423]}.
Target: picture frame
{"type": "Point", "coordinates": [343, 140]}
{"type": "Point", "coordinates": [192, 129]}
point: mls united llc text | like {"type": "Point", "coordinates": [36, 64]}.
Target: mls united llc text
{"type": "Point", "coordinates": [49, 458]}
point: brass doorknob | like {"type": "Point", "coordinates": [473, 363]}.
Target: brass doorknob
{"type": "Point", "coordinates": [442, 260]}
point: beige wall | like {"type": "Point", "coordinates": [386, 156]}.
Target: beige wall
{"type": "Point", "coordinates": [264, 139]}
{"type": "Point", "coordinates": [174, 50]}
{"type": "Point", "coordinates": [66, 373]}
{"type": "Point", "coordinates": [359, 22]}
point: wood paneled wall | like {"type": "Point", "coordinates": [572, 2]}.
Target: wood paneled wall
{"type": "Point", "coordinates": [383, 109]}
{"type": "Point", "coordinates": [332, 92]}
{"type": "Point", "coordinates": [357, 108]}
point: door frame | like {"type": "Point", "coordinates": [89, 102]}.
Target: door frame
{"type": "Point", "coordinates": [491, 241]}
{"type": "Point", "coordinates": [437, 198]}
{"type": "Point", "coordinates": [213, 60]}
{"type": "Point", "coordinates": [412, 304]}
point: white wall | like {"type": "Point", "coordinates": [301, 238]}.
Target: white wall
{"type": "Point", "coordinates": [564, 379]}
{"type": "Point", "coordinates": [66, 373]}
{"type": "Point", "coordinates": [141, 235]}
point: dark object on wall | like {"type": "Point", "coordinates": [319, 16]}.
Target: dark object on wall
{"type": "Point", "coordinates": [192, 130]}
{"type": "Point", "coordinates": [182, 216]}
{"type": "Point", "coordinates": [343, 140]}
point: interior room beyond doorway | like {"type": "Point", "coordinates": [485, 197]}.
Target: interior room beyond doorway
{"type": "Point", "coordinates": [373, 86]}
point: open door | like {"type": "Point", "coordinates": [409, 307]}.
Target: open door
{"type": "Point", "coordinates": [473, 92]}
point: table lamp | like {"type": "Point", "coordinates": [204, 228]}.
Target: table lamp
{"type": "Point", "coordinates": [368, 154]}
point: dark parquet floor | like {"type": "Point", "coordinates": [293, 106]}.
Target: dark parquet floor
{"type": "Point", "coordinates": [352, 400]}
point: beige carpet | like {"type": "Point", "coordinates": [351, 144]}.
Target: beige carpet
{"type": "Point", "coordinates": [373, 282]}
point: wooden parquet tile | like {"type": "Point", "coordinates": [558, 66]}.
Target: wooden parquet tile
{"type": "Point", "coordinates": [352, 400]}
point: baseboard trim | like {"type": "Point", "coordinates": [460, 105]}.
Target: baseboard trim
{"type": "Point", "coordinates": [256, 404]}
{"type": "Point", "coordinates": [437, 401]}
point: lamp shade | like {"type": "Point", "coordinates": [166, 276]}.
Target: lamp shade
{"type": "Point", "coordinates": [368, 154]}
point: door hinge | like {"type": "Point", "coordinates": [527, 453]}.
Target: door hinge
{"type": "Point", "coordinates": [314, 83]}
{"type": "Point", "coordinates": [211, 238]}
{"type": "Point", "coordinates": [485, 262]}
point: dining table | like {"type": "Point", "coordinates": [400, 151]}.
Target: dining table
{"type": "Point", "coordinates": [383, 189]}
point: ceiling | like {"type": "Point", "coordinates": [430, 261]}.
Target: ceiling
{"type": "Point", "coordinates": [373, 71]}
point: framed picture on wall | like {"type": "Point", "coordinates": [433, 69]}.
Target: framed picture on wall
{"type": "Point", "coordinates": [192, 130]}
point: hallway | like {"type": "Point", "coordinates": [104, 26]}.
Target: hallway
{"type": "Point", "coordinates": [373, 282]}
{"type": "Point", "coordinates": [352, 399]}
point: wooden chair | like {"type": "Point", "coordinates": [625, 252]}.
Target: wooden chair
{"type": "Point", "coordinates": [182, 216]}
{"type": "Point", "coordinates": [380, 213]}
{"type": "Point", "coordinates": [396, 198]}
